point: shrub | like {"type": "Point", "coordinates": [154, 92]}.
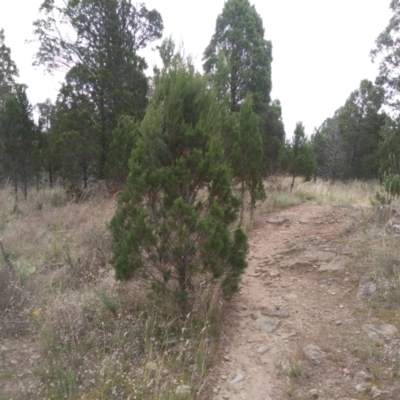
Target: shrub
{"type": "Point", "coordinates": [172, 221]}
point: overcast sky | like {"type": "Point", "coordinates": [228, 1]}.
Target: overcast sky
{"type": "Point", "coordinates": [320, 47]}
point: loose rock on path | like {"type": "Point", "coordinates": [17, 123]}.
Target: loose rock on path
{"type": "Point", "coordinates": [295, 311]}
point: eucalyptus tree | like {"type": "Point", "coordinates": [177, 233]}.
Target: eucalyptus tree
{"type": "Point", "coordinates": [387, 52]}
{"type": "Point", "coordinates": [328, 149]}
{"type": "Point", "coordinates": [361, 121]}
{"type": "Point", "coordinates": [100, 40]}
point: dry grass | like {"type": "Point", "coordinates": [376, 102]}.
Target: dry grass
{"type": "Point", "coordinates": [90, 336]}
{"type": "Point", "coordinates": [352, 192]}
{"type": "Point", "coordinates": [94, 338]}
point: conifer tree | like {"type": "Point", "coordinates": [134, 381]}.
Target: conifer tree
{"type": "Point", "coordinates": [8, 71]}
{"type": "Point", "coordinates": [101, 48]}
{"type": "Point", "coordinates": [18, 133]}
{"type": "Point", "coordinates": [172, 221]}
{"type": "Point", "coordinates": [247, 155]}
{"type": "Point", "coordinates": [122, 144]}
{"type": "Point", "coordinates": [239, 38]}
{"type": "Point", "coordinates": [299, 156]}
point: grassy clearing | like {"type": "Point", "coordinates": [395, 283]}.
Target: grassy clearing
{"type": "Point", "coordinates": [352, 192]}
{"type": "Point", "coordinates": [89, 337]}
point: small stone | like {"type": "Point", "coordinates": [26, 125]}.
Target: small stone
{"type": "Point", "coordinates": [361, 387]}
{"type": "Point", "coordinates": [375, 392]}
{"type": "Point", "coordinates": [346, 371]}
{"type": "Point", "coordinates": [360, 376]}
{"type": "Point", "coordinates": [336, 264]}
{"type": "Point", "coordinates": [290, 297]}
{"type": "Point", "coordinates": [338, 322]}
{"type": "Point", "coordinates": [314, 354]}
{"type": "Point", "coordinates": [226, 358]}
{"type": "Point", "coordinates": [268, 325]}
{"type": "Point", "coordinates": [366, 289]}
{"type": "Point", "coordinates": [225, 397]}
{"type": "Point", "coordinates": [237, 379]}
{"type": "Point", "coordinates": [274, 312]}
{"type": "Point", "coordinates": [273, 274]}
{"type": "Point", "coordinates": [374, 337]}
{"type": "Point", "coordinates": [215, 390]}
{"type": "Point", "coordinates": [295, 263]}
{"type": "Point", "coordinates": [223, 377]}
{"type": "Point", "coordinates": [386, 330]}
{"type": "Point", "coordinates": [260, 349]}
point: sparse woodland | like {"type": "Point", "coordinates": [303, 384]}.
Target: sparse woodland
{"type": "Point", "coordinates": [125, 205]}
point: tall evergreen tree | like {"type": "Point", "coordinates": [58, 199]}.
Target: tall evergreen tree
{"type": "Point", "coordinates": [8, 71]}
{"type": "Point", "coordinates": [124, 139]}
{"type": "Point", "coordinates": [247, 155]}
{"type": "Point", "coordinates": [107, 36]}
{"type": "Point", "coordinates": [75, 136]}
{"type": "Point", "coordinates": [273, 137]}
{"type": "Point", "coordinates": [172, 221]}
{"type": "Point", "coordinates": [299, 157]}
{"type": "Point", "coordinates": [239, 38]}
{"type": "Point", "coordinates": [18, 131]}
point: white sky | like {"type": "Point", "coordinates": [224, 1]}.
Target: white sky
{"type": "Point", "coordinates": [320, 47]}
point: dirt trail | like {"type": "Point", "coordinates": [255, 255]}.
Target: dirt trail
{"type": "Point", "coordinates": [284, 285]}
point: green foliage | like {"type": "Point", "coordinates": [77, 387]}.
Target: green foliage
{"type": "Point", "coordinates": [171, 225]}
{"type": "Point", "coordinates": [124, 139]}
{"type": "Point", "coordinates": [298, 158]}
{"type": "Point", "coordinates": [102, 60]}
{"type": "Point", "coordinates": [347, 145]}
{"type": "Point", "coordinates": [239, 54]}
{"type": "Point", "coordinates": [18, 134]}
{"type": "Point", "coordinates": [75, 134]}
{"type": "Point", "coordinates": [247, 154]}
{"type": "Point", "coordinates": [391, 185]}
{"type": "Point", "coordinates": [360, 125]}
{"type": "Point", "coordinates": [328, 149]}
{"type": "Point", "coordinates": [387, 51]}
{"type": "Point", "coordinates": [8, 71]}
{"type": "Point", "coordinates": [273, 137]}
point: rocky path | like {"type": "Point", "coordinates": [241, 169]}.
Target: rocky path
{"type": "Point", "coordinates": [296, 313]}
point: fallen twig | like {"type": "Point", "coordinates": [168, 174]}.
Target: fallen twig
{"type": "Point", "coordinates": [5, 256]}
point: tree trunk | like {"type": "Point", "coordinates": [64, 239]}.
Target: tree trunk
{"type": "Point", "coordinates": [15, 185]}
{"type": "Point", "coordinates": [50, 175]}
{"type": "Point", "coordinates": [291, 186]}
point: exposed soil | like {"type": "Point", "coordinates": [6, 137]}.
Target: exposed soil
{"type": "Point", "coordinates": [285, 284]}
